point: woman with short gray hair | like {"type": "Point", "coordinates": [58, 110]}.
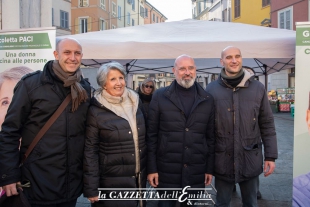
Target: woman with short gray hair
{"type": "Point", "coordinates": [115, 150]}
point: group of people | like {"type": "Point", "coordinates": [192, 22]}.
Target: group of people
{"type": "Point", "coordinates": [172, 137]}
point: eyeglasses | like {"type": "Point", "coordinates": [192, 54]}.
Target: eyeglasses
{"type": "Point", "coordinates": [190, 69]}
{"type": "Point", "coordinates": [147, 86]}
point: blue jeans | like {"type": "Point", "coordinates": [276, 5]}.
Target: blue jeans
{"type": "Point", "coordinates": [248, 190]}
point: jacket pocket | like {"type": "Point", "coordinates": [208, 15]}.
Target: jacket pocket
{"type": "Point", "coordinates": [253, 160]}
{"type": "Point", "coordinates": [220, 159]}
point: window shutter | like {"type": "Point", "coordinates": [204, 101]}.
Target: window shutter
{"type": "Point", "coordinates": [76, 25]}
{"type": "Point", "coordinates": [89, 23]}
{"type": "Point", "coordinates": [288, 20]}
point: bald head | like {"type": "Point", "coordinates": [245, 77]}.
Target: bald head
{"type": "Point", "coordinates": [184, 70]}
{"type": "Point", "coordinates": [229, 48]}
{"type": "Point", "coordinates": [182, 57]}
{"type": "Point", "coordinates": [231, 60]}
{"type": "Point", "coordinates": [61, 41]}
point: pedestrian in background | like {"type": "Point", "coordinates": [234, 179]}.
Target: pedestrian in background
{"type": "Point", "coordinates": [243, 122]}
{"type": "Point", "coordinates": [53, 171]}
{"type": "Point", "coordinates": [145, 91]}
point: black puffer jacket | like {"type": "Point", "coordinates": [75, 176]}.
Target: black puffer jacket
{"type": "Point", "coordinates": [243, 120]}
{"type": "Point", "coordinates": [54, 168]}
{"type": "Point", "coordinates": [180, 149]}
{"type": "Point", "coordinates": [109, 156]}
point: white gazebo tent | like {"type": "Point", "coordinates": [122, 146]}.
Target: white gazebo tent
{"type": "Point", "coordinates": [152, 48]}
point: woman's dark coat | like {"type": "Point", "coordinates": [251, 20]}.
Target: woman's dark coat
{"type": "Point", "coordinates": [109, 156]}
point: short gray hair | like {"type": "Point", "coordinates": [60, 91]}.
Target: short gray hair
{"type": "Point", "coordinates": [103, 71]}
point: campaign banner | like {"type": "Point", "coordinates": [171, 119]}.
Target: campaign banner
{"type": "Point", "coordinates": [301, 166]}
{"type": "Point", "coordinates": [31, 48]}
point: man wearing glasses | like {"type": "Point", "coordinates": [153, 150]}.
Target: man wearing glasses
{"type": "Point", "coordinates": [180, 135]}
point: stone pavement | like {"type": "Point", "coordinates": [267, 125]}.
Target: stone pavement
{"type": "Point", "coordinates": [277, 188]}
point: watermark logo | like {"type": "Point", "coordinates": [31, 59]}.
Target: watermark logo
{"type": "Point", "coordinates": [191, 196]}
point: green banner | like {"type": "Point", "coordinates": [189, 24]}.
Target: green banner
{"type": "Point", "coordinates": [303, 36]}
{"type": "Point", "coordinates": [25, 41]}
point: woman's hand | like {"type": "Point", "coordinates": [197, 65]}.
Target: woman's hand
{"type": "Point", "coordinates": [93, 199]}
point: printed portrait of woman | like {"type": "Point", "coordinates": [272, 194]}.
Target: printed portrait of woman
{"type": "Point", "coordinates": [301, 184]}
{"type": "Point", "coordinates": [8, 80]}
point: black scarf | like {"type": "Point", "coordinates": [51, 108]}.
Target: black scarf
{"type": "Point", "coordinates": [232, 81]}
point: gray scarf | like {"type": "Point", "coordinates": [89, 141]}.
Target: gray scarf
{"type": "Point", "coordinates": [78, 93]}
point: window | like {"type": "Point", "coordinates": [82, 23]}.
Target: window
{"type": "Point", "coordinates": [156, 19]}
{"type": "Point", "coordinates": [64, 19]}
{"type": "Point", "coordinates": [83, 3]}
{"type": "Point", "coordinates": [102, 24]}
{"type": "Point", "coordinates": [265, 3]}
{"type": "Point", "coordinates": [153, 17]}
{"type": "Point", "coordinates": [146, 12]}
{"type": "Point", "coordinates": [129, 1]}
{"type": "Point", "coordinates": [133, 5]}
{"type": "Point", "coordinates": [128, 18]}
{"type": "Point", "coordinates": [285, 20]}
{"type": "Point", "coordinates": [113, 9]}
{"type": "Point", "coordinates": [132, 22]}
{"type": "Point", "coordinates": [237, 8]}
{"type": "Point", "coordinates": [102, 4]}
{"type": "Point", "coordinates": [119, 12]}
{"type": "Point", "coordinates": [142, 11]}
{"type": "Point", "coordinates": [83, 25]}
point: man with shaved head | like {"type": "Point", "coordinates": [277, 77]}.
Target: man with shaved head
{"type": "Point", "coordinates": [243, 123]}
{"type": "Point", "coordinates": [52, 173]}
{"type": "Point", "coordinates": [180, 135]}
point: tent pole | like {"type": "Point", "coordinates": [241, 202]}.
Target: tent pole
{"type": "Point", "coordinates": [266, 77]}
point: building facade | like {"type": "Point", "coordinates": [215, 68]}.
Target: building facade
{"type": "Point", "coordinates": [93, 15]}
{"type": "Point", "coordinates": [152, 15]}
{"type": "Point", "coordinates": [36, 13]}
{"type": "Point", "coordinates": [243, 12]}
{"type": "Point", "coordinates": [284, 15]}
{"type": "Point", "coordinates": [212, 10]}
{"type": "Point", "coordinates": [96, 15]}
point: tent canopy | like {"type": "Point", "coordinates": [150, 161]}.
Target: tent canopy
{"type": "Point", "coordinates": [152, 48]}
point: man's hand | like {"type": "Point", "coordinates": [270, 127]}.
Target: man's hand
{"type": "Point", "coordinates": [10, 189]}
{"type": "Point", "coordinates": [269, 167]}
{"type": "Point", "coordinates": [93, 199]}
{"type": "Point", "coordinates": [208, 179]}
{"type": "Point", "coordinates": [153, 179]}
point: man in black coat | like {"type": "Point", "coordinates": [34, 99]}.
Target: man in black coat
{"type": "Point", "coordinates": [243, 123]}
{"type": "Point", "coordinates": [54, 167]}
{"type": "Point", "coordinates": [180, 134]}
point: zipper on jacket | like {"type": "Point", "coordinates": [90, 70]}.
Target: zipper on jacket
{"type": "Point", "coordinates": [234, 89]}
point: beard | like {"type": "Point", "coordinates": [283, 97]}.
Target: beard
{"type": "Point", "coordinates": [186, 83]}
